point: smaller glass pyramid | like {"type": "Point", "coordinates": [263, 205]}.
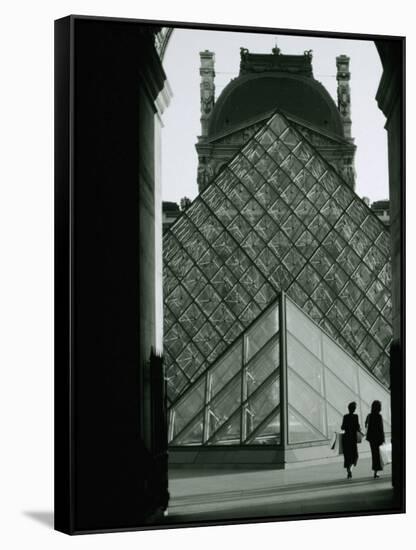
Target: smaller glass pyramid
{"type": "Point", "coordinates": [238, 400]}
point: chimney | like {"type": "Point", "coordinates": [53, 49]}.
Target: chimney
{"type": "Point", "coordinates": [207, 88]}
{"type": "Point", "coordinates": [344, 97]}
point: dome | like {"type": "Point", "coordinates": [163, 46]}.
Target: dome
{"type": "Point", "coordinates": [251, 95]}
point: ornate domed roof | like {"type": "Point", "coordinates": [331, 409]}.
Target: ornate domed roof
{"type": "Point", "coordinates": [275, 81]}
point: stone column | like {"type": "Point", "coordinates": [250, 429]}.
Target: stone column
{"type": "Point", "coordinates": [389, 98]}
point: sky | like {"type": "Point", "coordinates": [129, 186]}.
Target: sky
{"type": "Point", "coordinates": [182, 118]}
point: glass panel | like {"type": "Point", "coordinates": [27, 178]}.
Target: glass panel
{"type": "Point", "coordinates": [307, 244]}
{"type": "Point", "coordinates": [281, 277]}
{"type": "Point", "coordinates": [192, 319]}
{"type": "Point", "coordinates": [176, 381]}
{"type": "Point", "coordinates": [337, 393]}
{"type": "Point", "coordinates": [304, 363]}
{"type": "Point", "coordinates": [318, 196]}
{"type": "Point", "coordinates": [303, 329]}
{"type": "Point", "coordinates": [306, 211]}
{"type": "Point", "coordinates": [290, 138]}
{"type": "Point", "coordinates": [382, 332]}
{"type": "Point", "coordinates": [266, 196]}
{"type": "Point", "coordinates": [269, 434]}
{"type": "Point", "coordinates": [208, 299]}
{"type": "Point", "coordinates": [252, 280]}
{"type": "Point", "coordinates": [252, 212]}
{"type": "Point", "coordinates": [175, 340]}
{"type": "Point", "coordinates": [207, 339]}
{"type": "Point", "coordinates": [225, 369]}
{"type": "Point", "coordinates": [358, 211]}
{"type": "Point", "coordinates": [261, 404]}
{"type": "Point", "coordinates": [194, 281]}
{"type": "Point", "coordinates": [305, 181]}
{"type": "Point", "coordinates": [191, 435]}
{"type": "Point", "coordinates": [237, 299]}
{"type": "Point", "coordinates": [238, 194]}
{"type": "Point", "coordinates": [267, 261]}
{"type": "Point", "coordinates": [308, 278]}
{"type": "Point", "coordinates": [343, 195]}
{"type": "Point", "coordinates": [300, 431]}
{"type": "Point", "coordinates": [306, 401]}
{"type": "Point", "coordinates": [294, 261]}
{"type": "Point", "coordinates": [369, 351]}
{"type": "Point", "coordinates": [334, 420]}
{"type": "Point", "coordinates": [239, 228]}
{"type": "Point", "coordinates": [297, 294]}
{"type": "Point", "coordinates": [253, 245]}
{"type": "Point", "coordinates": [340, 363]}
{"type": "Point", "coordinates": [211, 228]}
{"type": "Point", "coordinates": [229, 433]}
{"type": "Point", "coordinates": [209, 263]}
{"type": "Point", "coordinates": [238, 262]}
{"type": "Point", "coordinates": [316, 167]}
{"type": "Point", "coordinates": [222, 318]}
{"type": "Point", "coordinates": [329, 181]}
{"type": "Point", "coordinates": [190, 359]}
{"type": "Point", "coordinates": [251, 312]}
{"type": "Point", "coordinates": [261, 332]}
{"type": "Point", "coordinates": [277, 124]}
{"type": "Point", "coordinates": [233, 333]}
{"type": "Point", "coordinates": [279, 244]}
{"type": "Point", "coordinates": [266, 166]}
{"type": "Point", "coordinates": [262, 366]}
{"type": "Point", "coordinates": [186, 409]}
{"type": "Point", "coordinates": [266, 228]}
{"type": "Point", "coordinates": [224, 246]}
{"type": "Point", "coordinates": [224, 404]}
{"type": "Point", "coordinates": [223, 281]}
{"type": "Point", "coordinates": [370, 390]}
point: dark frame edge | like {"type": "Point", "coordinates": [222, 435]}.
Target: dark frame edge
{"type": "Point", "coordinates": [63, 126]}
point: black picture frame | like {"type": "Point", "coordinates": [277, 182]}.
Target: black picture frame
{"type": "Point", "coordinates": [107, 79]}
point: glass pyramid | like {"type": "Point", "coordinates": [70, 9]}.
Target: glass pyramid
{"type": "Point", "coordinates": [276, 218]}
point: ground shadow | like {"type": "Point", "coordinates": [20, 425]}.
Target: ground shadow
{"type": "Point", "coordinates": [43, 517]}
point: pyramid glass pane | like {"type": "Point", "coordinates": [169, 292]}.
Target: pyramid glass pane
{"type": "Point", "coordinates": [192, 435]}
{"type": "Point", "coordinates": [262, 366]}
{"type": "Point", "coordinates": [337, 377]}
{"type": "Point", "coordinates": [277, 218]}
{"type": "Point", "coordinates": [261, 404]}
{"type": "Point", "coordinates": [268, 433]}
{"type": "Point", "coordinates": [229, 433]}
{"type": "Point", "coordinates": [300, 431]}
{"type": "Point", "coordinates": [261, 332]}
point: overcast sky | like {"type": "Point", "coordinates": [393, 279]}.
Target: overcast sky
{"type": "Point", "coordinates": [182, 118]}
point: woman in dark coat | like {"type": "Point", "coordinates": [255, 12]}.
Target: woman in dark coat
{"type": "Point", "coordinates": [351, 426]}
{"type": "Point", "coordinates": [375, 435]}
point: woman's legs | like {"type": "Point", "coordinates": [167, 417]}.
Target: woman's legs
{"type": "Point", "coordinates": [375, 458]}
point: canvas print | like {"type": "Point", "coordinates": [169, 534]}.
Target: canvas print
{"type": "Point", "coordinates": [270, 203]}
{"type": "Point", "coordinates": [276, 276]}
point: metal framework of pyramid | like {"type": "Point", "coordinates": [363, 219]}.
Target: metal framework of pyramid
{"type": "Point", "coordinates": [277, 218]}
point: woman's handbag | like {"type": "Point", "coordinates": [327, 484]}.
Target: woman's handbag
{"type": "Point", "coordinates": [385, 454]}
{"type": "Point", "coordinates": [337, 444]}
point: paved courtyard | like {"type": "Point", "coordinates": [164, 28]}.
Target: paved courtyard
{"type": "Point", "coordinates": [236, 494]}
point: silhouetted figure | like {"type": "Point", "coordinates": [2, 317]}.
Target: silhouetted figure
{"type": "Point", "coordinates": [351, 426]}
{"type": "Point", "coordinates": [375, 435]}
